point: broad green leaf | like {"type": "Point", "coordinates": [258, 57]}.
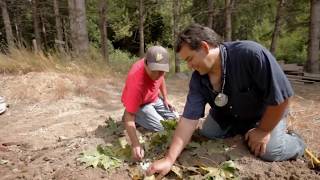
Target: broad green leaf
{"type": "Point", "coordinates": [229, 168]}
{"type": "Point", "coordinates": [169, 124]}
{"type": "Point", "coordinates": [123, 142]}
{"type": "Point", "coordinates": [90, 158]}
{"type": "Point", "coordinates": [112, 127]}
{"type": "Point", "coordinates": [105, 162]}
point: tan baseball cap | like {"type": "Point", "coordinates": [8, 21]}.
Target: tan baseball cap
{"type": "Point", "coordinates": [157, 59]}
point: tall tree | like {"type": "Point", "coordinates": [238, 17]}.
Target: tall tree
{"type": "Point", "coordinates": [314, 30]}
{"type": "Point", "coordinates": [141, 27]}
{"type": "Point", "coordinates": [36, 28]}
{"type": "Point", "coordinates": [210, 13]}
{"type": "Point", "coordinates": [103, 29]}
{"type": "Point", "coordinates": [176, 17]}
{"type": "Point", "coordinates": [277, 25]}
{"type": "Point", "coordinates": [228, 20]}
{"type": "Point", "coordinates": [59, 35]}
{"type": "Point", "coordinates": [78, 26]}
{"type": "Point", "coordinates": [7, 23]}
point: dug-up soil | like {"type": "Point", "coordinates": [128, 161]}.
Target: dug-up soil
{"type": "Point", "coordinates": [53, 117]}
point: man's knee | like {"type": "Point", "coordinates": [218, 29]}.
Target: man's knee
{"type": "Point", "coordinates": [282, 150]}
{"type": "Point", "coordinates": [273, 153]}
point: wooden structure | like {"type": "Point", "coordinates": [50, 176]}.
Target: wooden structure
{"type": "Point", "coordinates": [295, 73]}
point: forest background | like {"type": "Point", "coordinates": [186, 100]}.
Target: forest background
{"type": "Point", "coordinates": [114, 33]}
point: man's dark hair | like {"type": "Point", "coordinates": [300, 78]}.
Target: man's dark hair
{"type": "Point", "coordinates": [194, 34]}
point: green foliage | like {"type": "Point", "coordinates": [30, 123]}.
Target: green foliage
{"type": "Point", "coordinates": [100, 157]}
{"type": "Point", "coordinates": [250, 14]}
{"type": "Point", "coordinates": [93, 23]}
{"type": "Point", "coordinates": [120, 19]}
{"type": "Point", "coordinates": [169, 125]}
{"type": "Point", "coordinates": [113, 128]}
{"type": "Point", "coordinates": [292, 47]}
{"type": "Point", "coordinates": [226, 170]}
{"type": "Point", "coordinates": [117, 153]}
{"type": "Point", "coordinates": [121, 61]}
{"type": "Point", "coordinates": [262, 32]}
{"type": "Point", "coordinates": [160, 141]}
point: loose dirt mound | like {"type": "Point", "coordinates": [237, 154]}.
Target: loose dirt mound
{"type": "Point", "coordinates": [53, 117]}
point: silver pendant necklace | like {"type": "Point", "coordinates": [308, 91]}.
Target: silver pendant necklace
{"type": "Point", "coordinates": [222, 99]}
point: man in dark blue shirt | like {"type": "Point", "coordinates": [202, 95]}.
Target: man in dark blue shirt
{"type": "Point", "coordinates": [247, 91]}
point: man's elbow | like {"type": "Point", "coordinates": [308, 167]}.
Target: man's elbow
{"type": "Point", "coordinates": [127, 116]}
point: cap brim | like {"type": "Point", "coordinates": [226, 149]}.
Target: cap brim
{"type": "Point", "coordinates": [158, 67]}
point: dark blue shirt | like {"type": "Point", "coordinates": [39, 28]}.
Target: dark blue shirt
{"type": "Point", "coordinates": [253, 81]}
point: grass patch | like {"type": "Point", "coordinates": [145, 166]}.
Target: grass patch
{"type": "Point", "coordinates": [22, 61]}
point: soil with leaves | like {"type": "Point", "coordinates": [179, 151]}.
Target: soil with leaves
{"type": "Point", "coordinates": [62, 126]}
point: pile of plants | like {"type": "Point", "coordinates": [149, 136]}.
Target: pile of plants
{"type": "Point", "coordinates": [117, 154]}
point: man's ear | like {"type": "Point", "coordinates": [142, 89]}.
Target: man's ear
{"type": "Point", "coordinates": [205, 46]}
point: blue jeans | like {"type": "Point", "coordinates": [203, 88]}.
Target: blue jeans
{"type": "Point", "coordinates": [150, 115]}
{"type": "Point", "coordinates": [282, 146]}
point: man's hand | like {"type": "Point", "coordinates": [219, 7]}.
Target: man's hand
{"type": "Point", "coordinates": [162, 166]}
{"type": "Point", "coordinates": [168, 105]}
{"type": "Point", "coordinates": [137, 153]}
{"type": "Point", "coordinates": [257, 140]}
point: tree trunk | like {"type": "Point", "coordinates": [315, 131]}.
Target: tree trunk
{"type": "Point", "coordinates": [176, 15]}
{"type": "Point", "coordinates": [7, 23]}
{"type": "Point", "coordinates": [44, 31]}
{"type": "Point", "coordinates": [103, 29]}
{"type": "Point", "coordinates": [277, 26]}
{"type": "Point", "coordinates": [58, 26]}
{"type": "Point", "coordinates": [36, 28]}
{"type": "Point", "coordinates": [141, 28]}
{"type": "Point", "coordinates": [312, 65]}
{"type": "Point", "coordinates": [228, 22]}
{"type": "Point", "coordinates": [66, 35]}
{"type": "Point", "coordinates": [17, 21]}
{"type": "Point", "coordinates": [78, 27]}
{"type": "Point", "coordinates": [210, 13]}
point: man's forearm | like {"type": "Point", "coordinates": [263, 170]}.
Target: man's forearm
{"type": "Point", "coordinates": [129, 123]}
{"type": "Point", "coordinates": [272, 116]}
{"type": "Point", "coordinates": [181, 137]}
{"type": "Point", "coordinates": [163, 90]}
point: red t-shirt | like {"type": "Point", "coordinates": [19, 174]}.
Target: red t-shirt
{"type": "Point", "coordinates": [139, 89]}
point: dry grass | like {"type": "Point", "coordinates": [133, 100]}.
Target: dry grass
{"type": "Point", "coordinates": [21, 61]}
{"type": "Point", "coordinates": [60, 90]}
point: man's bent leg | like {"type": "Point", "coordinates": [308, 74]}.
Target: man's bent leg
{"type": "Point", "coordinates": [163, 110]}
{"type": "Point", "coordinates": [283, 146]}
{"type": "Point", "coordinates": [149, 118]}
{"type": "Point", "coordinates": [211, 129]}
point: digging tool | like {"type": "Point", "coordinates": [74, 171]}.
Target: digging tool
{"type": "Point", "coordinates": [314, 160]}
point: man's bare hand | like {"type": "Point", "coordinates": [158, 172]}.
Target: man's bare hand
{"type": "Point", "coordinates": [257, 140]}
{"type": "Point", "coordinates": [137, 153]}
{"type": "Point", "coordinates": [162, 167]}
{"type": "Point", "coordinates": [168, 105]}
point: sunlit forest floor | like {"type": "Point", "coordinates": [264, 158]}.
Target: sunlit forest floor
{"type": "Point", "coordinates": [53, 117]}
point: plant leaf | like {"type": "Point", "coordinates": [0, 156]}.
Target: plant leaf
{"type": "Point", "coordinates": [178, 171]}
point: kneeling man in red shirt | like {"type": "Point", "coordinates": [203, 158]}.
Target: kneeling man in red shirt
{"type": "Point", "coordinates": [141, 96]}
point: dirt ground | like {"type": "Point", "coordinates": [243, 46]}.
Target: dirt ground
{"type": "Point", "coordinates": [53, 117]}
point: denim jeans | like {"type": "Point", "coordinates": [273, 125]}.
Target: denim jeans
{"type": "Point", "coordinates": [282, 146]}
{"type": "Point", "coordinates": [150, 115]}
